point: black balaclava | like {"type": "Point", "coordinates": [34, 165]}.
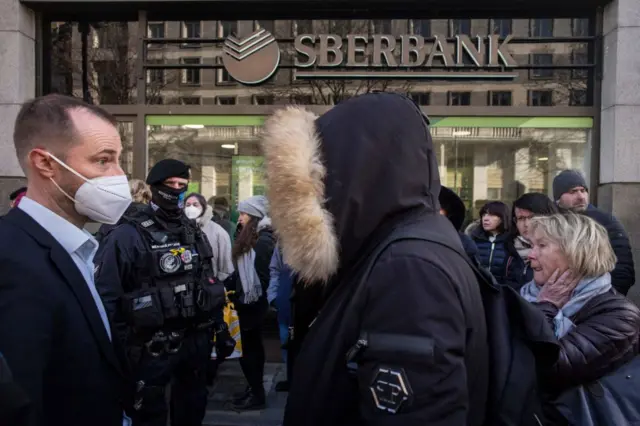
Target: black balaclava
{"type": "Point", "coordinates": [169, 200]}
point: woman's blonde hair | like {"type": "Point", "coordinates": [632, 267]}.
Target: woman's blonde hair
{"type": "Point", "coordinates": [140, 191]}
{"type": "Point", "coordinates": [583, 241]}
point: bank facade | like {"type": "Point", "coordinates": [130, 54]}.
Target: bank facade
{"type": "Point", "coordinates": [514, 93]}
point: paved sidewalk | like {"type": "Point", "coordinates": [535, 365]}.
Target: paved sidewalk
{"type": "Point", "coordinates": [229, 381]}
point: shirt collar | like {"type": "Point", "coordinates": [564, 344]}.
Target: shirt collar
{"type": "Point", "coordinates": [70, 237]}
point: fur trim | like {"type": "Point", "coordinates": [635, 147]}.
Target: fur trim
{"type": "Point", "coordinates": [295, 176]}
{"type": "Point", "coordinates": [265, 222]}
{"type": "Point", "coordinates": [472, 227]}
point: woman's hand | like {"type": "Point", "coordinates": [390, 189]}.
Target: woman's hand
{"type": "Point", "coordinates": [557, 290]}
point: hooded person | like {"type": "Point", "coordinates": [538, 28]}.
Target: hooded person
{"type": "Point", "coordinates": [339, 186]}
{"type": "Point", "coordinates": [453, 208]}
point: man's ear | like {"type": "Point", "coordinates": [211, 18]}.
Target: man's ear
{"type": "Point", "coordinates": [40, 162]}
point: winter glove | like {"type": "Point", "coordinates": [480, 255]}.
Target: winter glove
{"type": "Point", "coordinates": [225, 344]}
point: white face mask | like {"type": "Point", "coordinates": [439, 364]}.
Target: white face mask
{"type": "Point", "coordinates": [103, 199]}
{"type": "Point", "coordinates": [192, 212]}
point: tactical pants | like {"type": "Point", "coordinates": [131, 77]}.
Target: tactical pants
{"type": "Point", "coordinates": [186, 371]}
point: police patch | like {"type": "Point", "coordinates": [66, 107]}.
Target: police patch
{"type": "Point", "coordinates": [169, 263]}
{"type": "Point", "coordinates": [186, 256]}
{"type": "Point", "coordinates": [390, 389]}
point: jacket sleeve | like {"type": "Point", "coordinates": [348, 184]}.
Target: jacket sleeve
{"type": "Point", "coordinates": [274, 272]}
{"type": "Point", "coordinates": [115, 261]}
{"type": "Point", "coordinates": [30, 323]}
{"type": "Point", "coordinates": [624, 274]}
{"type": "Point", "coordinates": [416, 327]}
{"type": "Point", "coordinates": [598, 344]}
{"type": "Point", "coordinates": [264, 251]}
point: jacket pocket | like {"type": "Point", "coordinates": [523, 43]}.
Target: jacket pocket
{"type": "Point", "coordinates": [388, 346]}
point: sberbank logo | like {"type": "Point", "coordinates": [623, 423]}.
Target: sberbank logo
{"type": "Point", "coordinates": [252, 59]}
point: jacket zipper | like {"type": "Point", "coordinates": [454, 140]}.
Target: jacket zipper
{"type": "Point", "coordinates": [493, 246]}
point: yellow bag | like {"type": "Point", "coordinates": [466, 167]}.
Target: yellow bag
{"type": "Point", "coordinates": [233, 322]}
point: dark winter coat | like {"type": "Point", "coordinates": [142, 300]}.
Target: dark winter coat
{"type": "Point", "coordinates": [493, 255]}
{"type": "Point", "coordinates": [253, 315]}
{"type": "Point", "coordinates": [624, 275]}
{"type": "Point", "coordinates": [362, 170]}
{"type": "Point", "coordinates": [605, 337]}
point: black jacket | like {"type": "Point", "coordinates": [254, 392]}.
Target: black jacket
{"type": "Point", "coordinates": [423, 303]}
{"type": "Point", "coordinates": [252, 315]}
{"type": "Point", "coordinates": [51, 333]}
{"type": "Point", "coordinates": [605, 336]}
{"type": "Point", "coordinates": [624, 275]}
{"type": "Point", "coordinates": [493, 255]}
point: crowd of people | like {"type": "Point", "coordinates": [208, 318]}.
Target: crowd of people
{"type": "Point", "coordinates": [391, 309]}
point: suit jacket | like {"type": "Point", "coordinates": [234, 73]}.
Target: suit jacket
{"type": "Point", "coordinates": [51, 333]}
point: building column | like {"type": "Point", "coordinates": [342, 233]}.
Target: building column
{"type": "Point", "coordinates": [17, 84]}
{"type": "Point", "coordinates": [619, 183]}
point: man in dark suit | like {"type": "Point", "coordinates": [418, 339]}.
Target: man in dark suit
{"type": "Point", "coordinates": [54, 332]}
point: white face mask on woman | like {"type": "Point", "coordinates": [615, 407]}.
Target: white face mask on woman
{"type": "Point", "coordinates": [102, 199]}
{"type": "Point", "coordinates": [192, 212]}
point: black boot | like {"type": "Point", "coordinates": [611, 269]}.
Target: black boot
{"type": "Point", "coordinates": [238, 397]}
{"type": "Point", "coordinates": [255, 401]}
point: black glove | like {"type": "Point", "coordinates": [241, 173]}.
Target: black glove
{"type": "Point", "coordinates": [225, 344]}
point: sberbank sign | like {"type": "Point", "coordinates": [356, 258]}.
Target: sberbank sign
{"type": "Point", "coordinates": [255, 58]}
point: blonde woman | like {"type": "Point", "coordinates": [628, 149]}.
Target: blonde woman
{"type": "Point", "coordinates": [597, 328]}
{"type": "Point", "coordinates": [140, 191]}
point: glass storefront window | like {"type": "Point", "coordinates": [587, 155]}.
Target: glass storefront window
{"type": "Point", "coordinates": [481, 158]}
{"type": "Point", "coordinates": [126, 158]}
{"type": "Point", "coordinates": [108, 74]}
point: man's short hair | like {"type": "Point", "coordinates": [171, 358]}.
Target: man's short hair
{"type": "Point", "coordinates": [45, 122]}
{"type": "Point", "coordinates": [221, 202]}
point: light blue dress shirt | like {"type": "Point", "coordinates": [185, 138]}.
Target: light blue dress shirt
{"type": "Point", "coordinates": [80, 245]}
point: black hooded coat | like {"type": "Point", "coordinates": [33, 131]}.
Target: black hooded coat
{"type": "Point", "coordinates": [371, 158]}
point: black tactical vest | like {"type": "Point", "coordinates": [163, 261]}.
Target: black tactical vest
{"type": "Point", "coordinates": [175, 287]}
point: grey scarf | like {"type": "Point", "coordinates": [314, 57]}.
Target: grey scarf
{"type": "Point", "coordinates": [523, 247]}
{"type": "Point", "coordinates": [587, 289]}
{"type": "Point", "coordinates": [249, 279]}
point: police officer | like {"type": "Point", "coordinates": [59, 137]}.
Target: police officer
{"type": "Point", "coordinates": [154, 274]}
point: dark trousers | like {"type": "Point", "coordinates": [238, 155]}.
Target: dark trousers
{"type": "Point", "coordinates": [186, 371]}
{"type": "Point", "coordinates": [253, 357]}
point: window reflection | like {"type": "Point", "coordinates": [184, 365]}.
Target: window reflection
{"type": "Point", "coordinates": [491, 163]}
{"type": "Point", "coordinates": [112, 56]}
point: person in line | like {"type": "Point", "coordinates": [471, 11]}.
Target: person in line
{"type": "Point", "coordinates": [196, 208]}
{"type": "Point", "coordinates": [491, 236]}
{"type": "Point", "coordinates": [570, 192]}
{"type": "Point", "coordinates": [597, 328]}
{"type": "Point", "coordinates": [55, 332]}
{"type": "Point", "coordinates": [413, 348]}
{"type": "Point", "coordinates": [16, 196]}
{"type": "Point", "coordinates": [453, 208]}
{"type": "Point", "coordinates": [518, 270]}
{"type": "Point", "coordinates": [252, 252]}
{"type": "Point", "coordinates": [221, 216]}
{"type": "Point", "coordinates": [155, 275]}
{"type": "Point", "coordinates": [279, 296]}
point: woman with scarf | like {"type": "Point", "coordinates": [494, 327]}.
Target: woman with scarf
{"type": "Point", "coordinates": [518, 271]}
{"type": "Point", "coordinates": [597, 328]}
{"type": "Point", "coordinates": [196, 208]}
{"type": "Point", "coordinates": [251, 254]}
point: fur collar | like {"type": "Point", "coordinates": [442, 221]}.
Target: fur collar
{"type": "Point", "coordinates": [296, 193]}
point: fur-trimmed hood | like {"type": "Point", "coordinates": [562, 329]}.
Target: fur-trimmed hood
{"type": "Point", "coordinates": [336, 181]}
